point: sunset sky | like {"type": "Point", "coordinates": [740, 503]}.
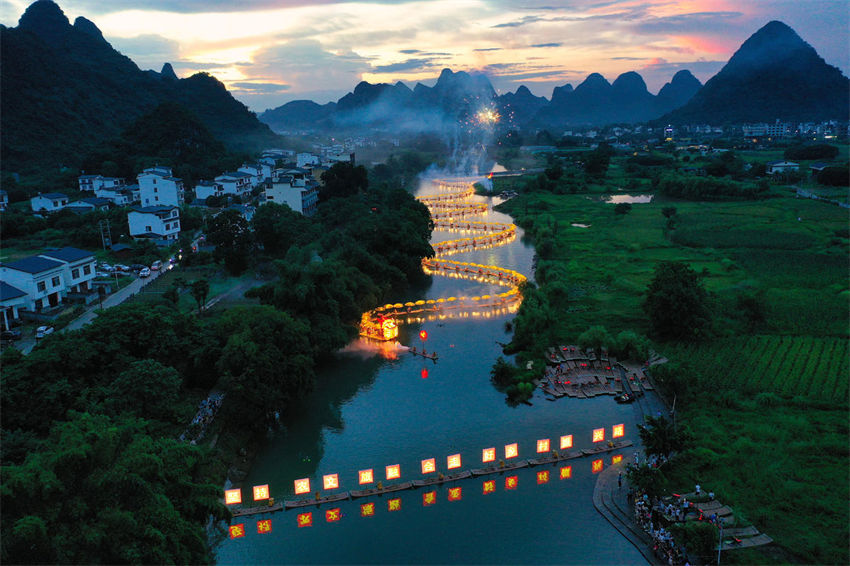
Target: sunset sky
{"type": "Point", "coordinates": [269, 52]}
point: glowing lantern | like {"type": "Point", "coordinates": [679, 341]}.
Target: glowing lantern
{"type": "Point", "coordinates": [424, 373]}
{"type": "Point", "coordinates": [543, 446]}
{"type": "Point", "coordinates": [429, 465]}
{"type": "Point", "coordinates": [596, 466]}
{"type": "Point", "coordinates": [305, 520]}
{"type": "Point", "coordinates": [488, 455]}
{"type": "Point", "coordinates": [264, 526]}
{"type": "Point", "coordinates": [618, 431]}
{"type": "Point", "coordinates": [511, 482]}
{"type": "Point", "coordinates": [429, 498]}
{"type": "Point", "coordinates": [598, 434]}
{"type": "Point", "coordinates": [489, 486]}
{"type": "Point", "coordinates": [394, 504]}
{"type": "Point", "coordinates": [333, 515]}
{"type": "Point", "coordinates": [511, 450]}
{"type": "Point", "coordinates": [331, 481]}
{"type": "Point", "coordinates": [302, 486]}
{"type": "Point", "coordinates": [232, 496]}
{"type": "Point", "coordinates": [367, 510]}
{"type": "Point", "coordinates": [566, 472]}
{"type": "Point", "coordinates": [261, 492]}
{"type": "Point", "coordinates": [365, 476]}
{"type": "Point", "coordinates": [617, 459]}
{"type": "Point", "coordinates": [566, 441]}
{"type": "Point", "coordinates": [542, 477]}
{"type": "Point", "coordinates": [423, 335]}
{"type": "Point", "coordinates": [237, 531]}
{"type": "Point", "coordinates": [455, 494]}
{"type": "Point", "coordinates": [393, 472]}
{"type": "Point", "coordinates": [453, 461]}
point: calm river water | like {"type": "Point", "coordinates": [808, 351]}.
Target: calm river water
{"type": "Point", "coordinates": [370, 412]}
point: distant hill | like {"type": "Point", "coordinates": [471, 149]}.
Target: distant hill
{"type": "Point", "coordinates": [773, 75]}
{"type": "Point", "coordinates": [66, 91]}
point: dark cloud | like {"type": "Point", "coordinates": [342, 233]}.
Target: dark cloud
{"type": "Point", "coordinates": [488, 49]}
{"type": "Point", "coordinates": [409, 51]}
{"type": "Point", "coordinates": [546, 45]}
{"type": "Point", "coordinates": [409, 65]}
{"type": "Point", "coordinates": [628, 58]}
{"type": "Point", "coordinates": [517, 23]}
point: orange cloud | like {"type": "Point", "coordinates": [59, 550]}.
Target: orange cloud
{"type": "Point", "coordinates": [700, 44]}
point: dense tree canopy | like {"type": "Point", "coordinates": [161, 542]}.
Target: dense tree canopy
{"type": "Point", "coordinates": [677, 303]}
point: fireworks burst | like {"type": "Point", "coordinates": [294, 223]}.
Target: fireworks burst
{"type": "Point", "coordinates": [487, 117]}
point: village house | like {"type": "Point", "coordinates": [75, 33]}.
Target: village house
{"type": "Point", "coordinates": [159, 187]}
{"type": "Point", "coordinates": [235, 183]}
{"type": "Point", "coordinates": [255, 170]}
{"type": "Point", "coordinates": [12, 300]}
{"type": "Point", "coordinates": [774, 167]}
{"type": "Point", "coordinates": [86, 205]}
{"type": "Point", "coordinates": [48, 202]}
{"type": "Point", "coordinates": [292, 188]}
{"type": "Point", "coordinates": [206, 189]}
{"type": "Point", "coordinates": [40, 278]}
{"type": "Point", "coordinates": [78, 274]}
{"type": "Point", "coordinates": [95, 182]}
{"type": "Point", "coordinates": [158, 223]}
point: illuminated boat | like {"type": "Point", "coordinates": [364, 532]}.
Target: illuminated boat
{"type": "Point", "coordinates": [378, 328]}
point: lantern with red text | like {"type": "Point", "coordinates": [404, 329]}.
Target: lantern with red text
{"type": "Point", "coordinates": [264, 526]}
{"type": "Point", "coordinates": [429, 466]}
{"type": "Point", "coordinates": [453, 461]}
{"type": "Point", "coordinates": [543, 446]}
{"type": "Point", "coordinates": [511, 482]}
{"type": "Point", "coordinates": [542, 477]}
{"type": "Point", "coordinates": [330, 481]}
{"type": "Point", "coordinates": [596, 466]}
{"type": "Point", "coordinates": [423, 335]}
{"type": "Point", "coordinates": [598, 434]}
{"type": "Point", "coordinates": [365, 476]}
{"type": "Point", "coordinates": [333, 515]}
{"type": "Point", "coordinates": [489, 486]}
{"type": "Point", "coordinates": [237, 531]}
{"type": "Point", "coordinates": [393, 472]}
{"type": "Point", "coordinates": [455, 494]}
{"type": "Point", "coordinates": [566, 441]}
{"type": "Point", "coordinates": [394, 504]}
{"type": "Point", "coordinates": [367, 510]}
{"type": "Point", "coordinates": [305, 520]}
{"type": "Point", "coordinates": [618, 431]}
{"type": "Point", "coordinates": [511, 450]}
{"type": "Point", "coordinates": [616, 459]}
{"type": "Point", "coordinates": [261, 492]}
{"type": "Point", "coordinates": [302, 486]}
{"type": "Point", "coordinates": [488, 455]}
{"type": "Point", "coordinates": [232, 496]}
{"type": "Point", "coordinates": [566, 472]}
{"type": "Point", "coordinates": [429, 498]}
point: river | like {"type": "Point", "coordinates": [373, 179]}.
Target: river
{"type": "Point", "coordinates": [369, 412]}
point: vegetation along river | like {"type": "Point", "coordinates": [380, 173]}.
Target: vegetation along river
{"type": "Point", "coordinates": [370, 411]}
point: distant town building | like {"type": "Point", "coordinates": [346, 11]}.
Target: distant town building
{"type": "Point", "coordinates": [774, 167]}
{"type": "Point", "coordinates": [154, 222]}
{"type": "Point", "coordinates": [159, 187]}
{"type": "Point", "coordinates": [90, 204]}
{"type": "Point", "coordinates": [48, 202]}
{"type": "Point", "coordinates": [293, 188]}
{"type": "Point", "coordinates": [95, 182]}
{"type": "Point", "coordinates": [235, 183]}
{"type": "Point", "coordinates": [206, 189]}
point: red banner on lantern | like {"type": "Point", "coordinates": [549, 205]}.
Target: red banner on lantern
{"type": "Point", "coordinates": [367, 509]}
{"type": "Point", "coordinates": [542, 477]}
{"type": "Point", "coordinates": [455, 494]}
{"type": "Point", "coordinates": [429, 466]}
{"type": "Point", "coordinates": [305, 520]}
{"type": "Point", "coordinates": [489, 486]}
{"type": "Point", "coordinates": [566, 472]}
{"type": "Point", "coordinates": [488, 455]}
{"type": "Point", "coordinates": [237, 531]}
{"type": "Point", "coordinates": [453, 461]}
{"type": "Point", "coordinates": [511, 450]}
{"type": "Point", "coordinates": [542, 445]}
{"type": "Point", "coordinates": [261, 492]}
{"type": "Point", "coordinates": [393, 472]}
{"type": "Point", "coordinates": [429, 498]}
{"type": "Point", "coordinates": [598, 434]}
{"type": "Point", "coordinates": [511, 482]}
{"type": "Point", "coordinates": [333, 515]}
{"type": "Point", "coordinates": [330, 481]}
{"type": "Point", "coordinates": [618, 431]}
{"type": "Point", "coordinates": [365, 476]}
{"type": "Point", "coordinates": [302, 486]}
{"type": "Point", "coordinates": [394, 504]}
{"type": "Point", "coordinates": [596, 467]}
{"type": "Point", "coordinates": [264, 526]}
{"type": "Point", "coordinates": [566, 441]}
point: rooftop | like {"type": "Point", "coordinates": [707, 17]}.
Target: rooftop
{"type": "Point", "coordinates": [33, 264]}
{"type": "Point", "coordinates": [53, 196]}
{"type": "Point", "coordinates": [9, 292]}
{"type": "Point", "coordinates": [69, 254]}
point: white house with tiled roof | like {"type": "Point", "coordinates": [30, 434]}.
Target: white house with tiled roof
{"type": "Point", "coordinates": [206, 189]}
{"type": "Point", "coordinates": [41, 278]}
{"type": "Point", "coordinates": [95, 182]}
{"type": "Point", "coordinates": [12, 300]}
{"type": "Point", "coordinates": [79, 269]}
{"type": "Point", "coordinates": [154, 222]}
{"type": "Point", "coordinates": [159, 187]}
{"type": "Point", "coordinates": [48, 202]}
{"type": "Point", "coordinates": [235, 182]}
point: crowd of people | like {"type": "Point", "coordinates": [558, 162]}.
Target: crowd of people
{"type": "Point", "coordinates": [205, 415]}
{"type": "Point", "coordinates": [663, 544]}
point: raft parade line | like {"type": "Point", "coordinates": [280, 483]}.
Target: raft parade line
{"type": "Point", "coordinates": [429, 465]}
{"type": "Point", "coordinates": [448, 211]}
{"type": "Point", "coordinates": [454, 493]}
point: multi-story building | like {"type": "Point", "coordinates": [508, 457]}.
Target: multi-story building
{"type": "Point", "coordinates": [159, 187]}
{"type": "Point", "coordinates": [154, 222]}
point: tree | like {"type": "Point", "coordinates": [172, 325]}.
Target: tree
{"type": "Point", "coordinates": [660, 438]}
{"type": "Point", "coordinates": [146, 389]}
{"type": "Point", "coordinates": [343, 179]}
{"type": "Point", "coordinates": [200, 290]}
{"type": "Point", "coordinates": [677, 303]}
{"type": "Point", "coordinates": [595, 337]}
{"type": "Point", "coordinates": [646, 479]}
{"type": "Point", "coordinates": [622, 208]}
{"type": "Point", "coordinates": [231, 235]}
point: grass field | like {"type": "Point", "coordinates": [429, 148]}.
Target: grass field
{"type": "Point", "coordinates": [767, 404]}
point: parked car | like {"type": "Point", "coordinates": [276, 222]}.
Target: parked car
{"type": "Point", "coordinates": [122, 267]}
{"type": "Point", "coordinates": [137, 267]}
{"type": "Point", "coordinates": [43, 331]}
{"type": "Point", "coordinates": [155, 266]}
{"type": "Point", "coordinates": [101, 274]}
{"type": "Point", "coordinates": [10, 335]}
{"type": "Point", "coordinates": [144, 272]}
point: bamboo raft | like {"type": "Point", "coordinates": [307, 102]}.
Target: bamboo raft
{"type": "Point", "coordinates": [606, 448]}
{"type": "Point", "coordinates": [497, 469]}
{"type": "Point", "coordinates": [758, 540]}
{"type": "Point", "coordinates": [242, 511]}
{"type": "Point", "coordinates": [552, 458]}
{"type": "Point", "coordinates": [317, 501]}
{"type": "Point", "coordinates": [441, 480]}
{"type": "Point", "coordinates": [375, 491]}
{"type": "Point", "coordinates": [423, 353]}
